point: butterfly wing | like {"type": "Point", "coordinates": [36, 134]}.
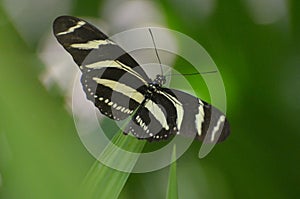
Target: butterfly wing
{"type": "Point", "coordinates": [155, 119]}
{"type": "Point", "coordinates": [119, 87]}
{"type": "Point", "coordinates": [111, 78]}
{"type": "Point", "coordinates": [80, 38]}
{"type": "Point", "coordinates": [170, 111]}
{"type": "Point", "coordinates": [200, 119]}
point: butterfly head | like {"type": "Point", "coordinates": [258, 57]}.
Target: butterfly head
{"type": "Point", "coordinates": [159, 80]}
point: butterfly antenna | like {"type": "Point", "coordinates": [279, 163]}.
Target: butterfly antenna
{"type": "Point", "coordinates": [207, 72]}
{"type": "Point", "coordinates": [156, 51]}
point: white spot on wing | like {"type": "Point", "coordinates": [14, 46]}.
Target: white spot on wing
{"type": "Point", "coordinates": [178, 105]}
{"type": "Point", "coordinates": [199, 118]}
{"type": "Point", "coordinates": [217, 127]}
{"type": "Point", "coordinates": [121, 88]}
{"type": "Point", "coordinates": [103, 64]}
{"type": "Point", "coordinates": [158, 113]}
{"type": "Point", "coordinates": [94, 44]}
{"type": "Point", "coordinates": [115, 64]}
{"type": "Point", "coordinates": [73, 28]}
{"type": "Point", "coordinates": [119, 107]}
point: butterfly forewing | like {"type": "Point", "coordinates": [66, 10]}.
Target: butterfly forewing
{"type": "Point", "coordinates": [81, 39]}
{"type": "Point", "coordinates": [111, 78]}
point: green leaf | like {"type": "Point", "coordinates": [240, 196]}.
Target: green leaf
{"type": "Point", "coordinates": [105, 182]}
{"type": "Point", "coordinates": [172, 185]}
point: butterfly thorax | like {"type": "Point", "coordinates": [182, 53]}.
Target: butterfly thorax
{"type": "Point", "coordinates": [152, 88]}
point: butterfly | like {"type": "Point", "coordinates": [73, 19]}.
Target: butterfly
{"type": "Point", "coordinates": [119, 87]}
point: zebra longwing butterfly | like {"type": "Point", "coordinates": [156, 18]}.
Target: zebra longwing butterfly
{"type": "Point", "coordinates": [120, 89]}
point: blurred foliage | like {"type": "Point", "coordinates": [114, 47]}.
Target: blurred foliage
{"type": "Point", "coordinates": [41, 155]}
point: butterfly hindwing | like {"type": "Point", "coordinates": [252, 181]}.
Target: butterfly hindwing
{"type": "Point", "coordinates": [201, 119]}
{"type": "Point", "coordinates": [155, 119]}
{"type": "Point", "coordinates": [115, 98]}
{"type": "Point", "coordinates": [177, 112]}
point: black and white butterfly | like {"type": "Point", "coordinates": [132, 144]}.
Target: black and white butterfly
{"type": "Point", "coordinates": [120, 89]}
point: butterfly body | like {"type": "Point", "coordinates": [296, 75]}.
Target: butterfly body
{"type": "Point", "coordinates": [120, 89]}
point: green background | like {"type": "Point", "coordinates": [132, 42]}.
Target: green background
{"type": "Point", "coordinates": [41, 155]}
